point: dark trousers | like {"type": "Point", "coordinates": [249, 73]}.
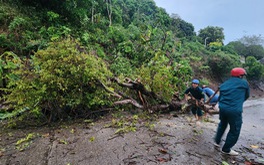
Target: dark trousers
{"type": "Point", "coordinates": [196, 110]}
{"type": "Point", "coordinates": [234, 119]}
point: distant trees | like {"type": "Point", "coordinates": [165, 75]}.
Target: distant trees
{"type": "Point", "coordinates": [221, 63]}
{"type": "Point", "coordinates": [184, 29]}
{"type": "Point", "coordinates": [211, 34]}
{"type": "Point", "coordinates": [256, 51]}
{"type": "Point", "coordinates": [238, 47]}
{"type": "Point", "coordinates": [252, 40]}
{"type": "Point", "coordinates": [253, 46]}
{"type": "Point", "coordinates": [249, 46]}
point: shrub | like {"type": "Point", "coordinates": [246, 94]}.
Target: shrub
{"type": "Point", "coordinates": [255, 70]}
{"type": "Point", "coordinates": [221, 64]}
{"type": "Point", "coordinates": [58, 79]}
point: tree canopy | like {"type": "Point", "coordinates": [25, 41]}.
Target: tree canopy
{"type": "Point", "coordinates": [211, 34]}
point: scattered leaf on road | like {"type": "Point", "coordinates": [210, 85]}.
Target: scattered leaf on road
{"type": "Point", "coordinates": [224, 163]}
{"type": "Point", "coordinates": [254, 146]}
{"type": "Point", "coordinates": [163, 151]}
{"type": "Point", "coordinates": [92, 139]}
{"type": "Point", "coordinates": [45, 135]}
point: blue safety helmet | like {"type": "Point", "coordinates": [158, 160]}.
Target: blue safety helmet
{"type": "Point", "coordinates": [195, 81]}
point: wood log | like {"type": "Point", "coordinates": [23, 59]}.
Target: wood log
{"type": "Point", "coordinates": [176, 104]}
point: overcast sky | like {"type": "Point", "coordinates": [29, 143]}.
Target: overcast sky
{"type": "Point", "coordinates": [237, 17]}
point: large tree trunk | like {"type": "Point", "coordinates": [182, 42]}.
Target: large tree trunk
{"type": "Point", "coordinates": [148, 100]}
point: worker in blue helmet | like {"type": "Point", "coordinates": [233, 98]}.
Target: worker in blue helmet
{"type": "Point", "coordinates": [197, 94]}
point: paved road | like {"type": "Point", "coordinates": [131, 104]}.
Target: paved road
{"type": "Point", "coordinates": [172, 141]}
{"type": "Point", "coordinates": [253, 118]}
{"type": "Point", "coordinates": [251, 141]}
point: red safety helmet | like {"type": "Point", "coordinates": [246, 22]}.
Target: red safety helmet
{"type": "Point", "coordinates": [238, 72]}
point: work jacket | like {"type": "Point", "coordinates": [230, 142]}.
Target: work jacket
{"type": "Point", "coordinates": [197, 93]}
{"type": "Point", "coordinates": [233, 93]}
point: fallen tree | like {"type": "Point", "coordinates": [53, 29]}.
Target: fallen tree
{"type": "Point", "coordinates": [150, 101]}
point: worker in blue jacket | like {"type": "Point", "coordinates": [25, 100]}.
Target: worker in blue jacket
{"type": "Point", "coordinates": [210, 92]}
{"type": "Point", "coordinates": [196, 93]}
{"type": "Point", "coordinates": [233, 93]}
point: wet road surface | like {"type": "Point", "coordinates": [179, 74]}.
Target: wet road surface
{"type": "Point", "coordinates": [171, 141]}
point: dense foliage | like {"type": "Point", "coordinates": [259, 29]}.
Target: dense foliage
{"type": "Point", "coordinates": [58, 56]}
{"type": "Point", "coordinates": [59, 78]}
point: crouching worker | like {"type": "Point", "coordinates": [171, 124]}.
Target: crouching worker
{"type": "Point", "coordinates": [196, 94]}
{"type": "Point", "coordinates": [208, 92]}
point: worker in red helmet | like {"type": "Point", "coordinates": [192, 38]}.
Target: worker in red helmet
{"type": "Point", "coordinates": [233, 93]}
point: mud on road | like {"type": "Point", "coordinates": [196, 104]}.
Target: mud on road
{"type": "Point", "coordinates": [171, 140]}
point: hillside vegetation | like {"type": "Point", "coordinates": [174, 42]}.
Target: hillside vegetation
{"type": "Point", "coordinates": [75, 58]}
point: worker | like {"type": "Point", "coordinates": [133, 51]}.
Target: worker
{"type": "Point", "coordinates": [197, 94]}
{"type": "Point", "coordinates": [233, 93]}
